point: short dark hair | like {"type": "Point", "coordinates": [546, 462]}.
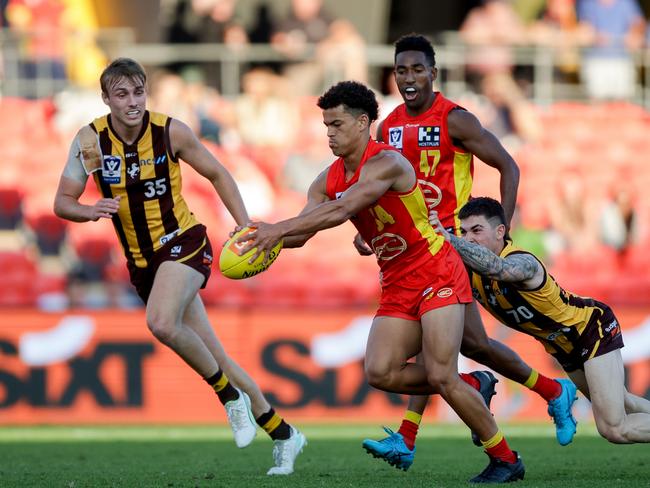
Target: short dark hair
{"type": "Point", "coordinates": [485, 206]}
{"type": "Point", "coordinates": [416, 42]}
{"type": "Point", "coordinates": [355, 97]}
{"type": "Point", "coordinates": [121, 68]}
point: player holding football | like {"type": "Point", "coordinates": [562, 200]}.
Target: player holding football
{"type": "Point", "coordinates": [134, 156]}
{"type": "Point", "coordinates": [581, 333]}
{"type": "Point", "coordinates": [425, 289]}
{"type": "Point", "coordinates": [439, 138]}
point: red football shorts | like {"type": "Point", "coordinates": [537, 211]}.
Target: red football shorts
{"type": "Point", "coordinates": [437, 282]}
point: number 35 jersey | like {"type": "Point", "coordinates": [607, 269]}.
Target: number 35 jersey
{"type": "Point", "coordinates": [444, 171]}
{"type": "Point", "coordinates": [396, 226]}
{"type": "Point", "coordinates": [147, 177]}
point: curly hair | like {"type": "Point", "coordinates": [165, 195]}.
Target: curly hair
{"type": "Point", "coordinates": [416, 42]}
{"type": "Point", "coordinates": [121, 68]}
{"type": "Point", "coordinates": [355, 97]}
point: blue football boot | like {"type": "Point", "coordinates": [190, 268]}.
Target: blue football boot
{"type": "Point", "coordinates": [391, 449]}
{"type": "Point", "coordinates": [560, 411]}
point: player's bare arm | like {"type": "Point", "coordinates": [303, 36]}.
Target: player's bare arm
{"type": "Point", "coordinates": [316, 195]}
{"type": "Point", "coordinates": [516, 268]}
{"type": "Point", "coordinates": [467, 132]}
{"type": "Point", "coordinates": [73, 183]}
{"type": "Point", "coordinates": [387, 170]}
{"type": "Point", "coordinates": [187, 147]}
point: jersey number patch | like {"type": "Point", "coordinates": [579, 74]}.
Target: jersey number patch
{"type": "Point", "coordinates": [381, 217]}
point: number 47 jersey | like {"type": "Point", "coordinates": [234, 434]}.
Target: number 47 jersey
{"type": "Point", "coordinates": [147, 177]}
{"type": "Point", "coordinates": [444, 171]}
{"type": "Point", "coordinates": [396, 226]}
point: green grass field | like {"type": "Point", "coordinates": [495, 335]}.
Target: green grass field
{"type": "Point", "coordinates": [202, 456]}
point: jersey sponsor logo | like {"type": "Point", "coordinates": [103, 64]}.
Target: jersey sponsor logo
{"type": "Point", "coordinates": [613, 328]}
{"type": "Point", "coordinates": [429, 136]}
{"type": "Point", "coordinates": [168, 237]}
{"type": "Point", "coordinates": [112, 169]}
{"type": "Point", "coordinates": [133, 170]}
{"type": "Point", "coordinates": [388, 246]}
{"type": "Point", "coordinates": [431, 192]}
{"type": "Point", "coordinates": [445, 292]}
{"type": "Point", "coordinates": [396, 137]}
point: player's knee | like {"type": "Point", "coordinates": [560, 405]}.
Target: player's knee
{"type": "Point", "coordinates": [613, 433]}
{"type": "Point", "coordinates": [440, 380]}
{"type": "Point", "coordinates": [164, 330]}
{"type": "Point", "coordinates": [474, 348]}
{"type": "Point", "coordinates": [379, 375]}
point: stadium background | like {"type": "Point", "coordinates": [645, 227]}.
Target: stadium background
{"type": "Point", "coordinates": [73, 345]}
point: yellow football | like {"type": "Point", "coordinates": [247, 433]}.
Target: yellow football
{"type": "Point", "coordinates": [235, 265]}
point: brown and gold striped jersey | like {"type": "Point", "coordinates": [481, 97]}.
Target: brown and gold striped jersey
{"type": "Point", "coordinates": [147, 177]}
{"type": "Point", "coordinates": [550, 314]}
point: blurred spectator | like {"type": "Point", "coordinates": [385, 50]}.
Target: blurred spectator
{"type": "Point", "coordinates": [262, 30]}
{"type": "Point", "coordinates": [558, 28]}
{"type": "Point", "coordinates": [307, 24]}
{"type": "Point", "coordinates": [310, 154]}
{"type": "Point", "coordinates": [203, 21]}
{"type": "Point", "coordinates": [490, 30]}
{"type": "Point", "coordinates": [618, 29]}
{"type": "Point", "coordinates": [266, 118]}
{"type": "Point", "coordinates": [503, 109]}
{"type": "Point", "coordinates": [572, 215]}
{"type": "Point", "coordinates": [617, 220]}
{"type": "Point", "coordinates": [343, 54]}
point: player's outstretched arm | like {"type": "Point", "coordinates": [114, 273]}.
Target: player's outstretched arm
{"type": "Point", "coordinates": [375, 179]}
{"type": "Point", "coordinates": [516, 268]}
{"type": "Point", "coordinates": [316, 195]}
{"type": "Point", "coordinates": [187, 146]}
{"type": "Point", "coordinates": [466, 128]}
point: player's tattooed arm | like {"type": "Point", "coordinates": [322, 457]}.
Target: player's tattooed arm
{"type": "Point", "coordinates": [513, 268]}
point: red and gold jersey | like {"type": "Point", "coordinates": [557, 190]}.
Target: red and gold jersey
{"type": "Point", "coordinates": [396, 226]}
{"type": "Point", "coordinates": [147, 177]}
{"type": "Point", "coordinates": [444, 171]}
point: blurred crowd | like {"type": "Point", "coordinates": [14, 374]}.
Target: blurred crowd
{"type": "Point", "coordinates": [582, 201]}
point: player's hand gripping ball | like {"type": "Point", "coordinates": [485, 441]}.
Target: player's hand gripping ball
{"type": "Point", "coordinates": [235, 265]}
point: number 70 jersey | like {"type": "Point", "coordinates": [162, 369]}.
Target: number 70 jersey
{"type": "Point", "coordinates": [444, 171]}
{"type": "Point", "coordinates": [147, 177]}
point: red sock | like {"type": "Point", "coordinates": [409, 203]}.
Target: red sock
{"type": "Point", "coordinates": [502, 451]}
{"type": "Point", "coordinates": [547, 388]}
{"type": "Point", "coordinates": [409, 431]}
{"type": "Point", "coordinates": [470, 380]}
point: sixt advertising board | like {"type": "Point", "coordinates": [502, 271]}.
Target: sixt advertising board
{"type": "Point", "coordinates": [105, 367]}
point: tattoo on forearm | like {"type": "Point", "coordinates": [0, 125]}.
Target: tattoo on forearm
{"type": "Point", "coordinates": [514, 268]}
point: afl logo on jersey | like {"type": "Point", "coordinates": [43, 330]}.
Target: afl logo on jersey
{"type": "Point", "coordinates": [395, 137]}
{"type": "Point", "coordinates": [112, 169]}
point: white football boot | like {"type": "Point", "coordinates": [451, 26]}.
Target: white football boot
{"type": "Point", "coordinates": [240, 418]}
{"type": "Point", "coordinates": [286, 451]}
